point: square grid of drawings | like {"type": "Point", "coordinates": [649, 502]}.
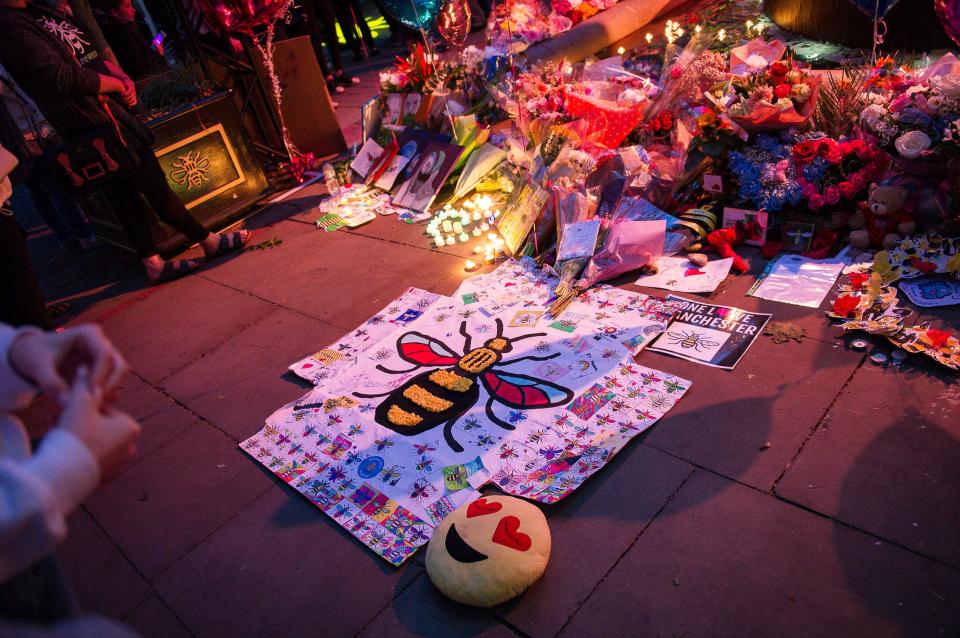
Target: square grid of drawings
{"type": "Point", "coordinates": [557, 399]}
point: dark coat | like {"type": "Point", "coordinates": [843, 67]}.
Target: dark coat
{"type": "Point", "coordinates": [65, 92]}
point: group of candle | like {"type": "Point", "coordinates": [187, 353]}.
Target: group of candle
{"type": "Point", "coordinates": [454, 224]}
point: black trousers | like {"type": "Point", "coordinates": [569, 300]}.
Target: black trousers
{"type": "Point", "coordinates": [21, 302]}
{"type": "Point", "coordinates": [150, 182]}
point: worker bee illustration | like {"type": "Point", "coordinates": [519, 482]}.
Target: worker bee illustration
{"type": "Point", "coordinates": [442, 396]}
{"type": "Point", "coordinates": [691, 339]}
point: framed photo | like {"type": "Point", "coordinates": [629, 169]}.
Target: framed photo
{"type": "Point", "coordinates": [426, 174]}
{"type": "Point", "coordinates": [797, 237]}
{"type": "Point", "coordinates": [756, 223]}
{"type": "Point", "coordinates": [371, 115]}
{"type": "Point", "coordinates": [201, 166]}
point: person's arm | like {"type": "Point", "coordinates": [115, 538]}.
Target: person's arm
{"type": "Point", "coordinates": [16, 392]}
{"type": "Point", "coordinates": [129, 93]}
{"type": "Point", "coordinates": [36, 495]}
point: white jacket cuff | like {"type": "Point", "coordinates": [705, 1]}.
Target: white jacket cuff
{"type": "Point", "coordinates": [67, 467]}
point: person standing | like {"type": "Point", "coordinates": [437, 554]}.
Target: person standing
{"type": "Point", "coordinates": [79, 91]}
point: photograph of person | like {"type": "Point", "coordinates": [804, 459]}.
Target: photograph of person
{"type": "Point", "coordinates": [426, 175]}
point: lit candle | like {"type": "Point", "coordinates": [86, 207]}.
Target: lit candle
{"type": "Point", "coordinates": [476, 231]}
{"type": "Point", "coordinates": [457, 227]}
{"type": "Point", "coordinates": [484, 227]}
{"type": "Point", "coordinates": [489, 258]}
{"type": "Point", "coordinates": [438, 240]}
{"type": "Point", "coordinates": [492, 236]}
{"type": "Point", "coordinates": [649, 38]}
{"type": "Point", "coordinates": [471, 265]}
{"type": "Point", "coordinates": [451, 240]}
{"type": "Point", "coordinates": [464, 237]}
{"type": "Point", "coordinates": [447, 226]}
{"type": "Point", "coordinates": [621, 51]}
{"type": "Point", "coordinates": [476, 215]}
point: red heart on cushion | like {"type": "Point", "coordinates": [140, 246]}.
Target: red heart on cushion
{"type": "Point", "coordinates": [508, 534]}
{"type": "Point", "coordinates": [481, 507]}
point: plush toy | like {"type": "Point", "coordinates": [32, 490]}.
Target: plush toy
{"type": "Point", "coordinates": [723, 240]}
{"type": "Point", "coordinates": [489, 551]}
{"type": "Point", "coordinates": [882, 220]}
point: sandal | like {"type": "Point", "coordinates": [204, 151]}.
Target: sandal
{"type": "Point", "coordinates": [174, 270]}
{"type": "Point", "coordinates": [228, 244]}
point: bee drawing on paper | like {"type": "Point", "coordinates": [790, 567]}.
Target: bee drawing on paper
{"type": "Point", "coordinates": [443, 395]}
{"type": "Point", "coordinates": [691, 339]}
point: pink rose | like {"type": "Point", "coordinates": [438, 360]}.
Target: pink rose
{"type": "Point", "coordinates": [816, 201]}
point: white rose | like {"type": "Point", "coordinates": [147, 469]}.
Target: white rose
{"type": "Point", "coordinates": [911, 145]}
{"type": "Point", "coordinates": [935, 102]}
{"type": "Point", "coordinates": [948, 85]}
{"type": "Point", "coordinates": [871, 115]}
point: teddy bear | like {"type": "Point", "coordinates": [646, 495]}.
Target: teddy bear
{"type": "Point", "coordinates": [882, 220]}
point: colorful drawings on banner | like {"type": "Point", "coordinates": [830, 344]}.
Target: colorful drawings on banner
{"type": "Point", "coordinates": [716, 336]}
{"type": "Point", "coordinates": [535, 413]}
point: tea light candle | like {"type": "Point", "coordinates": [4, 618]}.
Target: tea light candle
{"type": "Point", "coordinates": [447, 226]}
{"type": "Point", "coordinates": [477, 250]}
{"type": "Point", "coordinates": [489, 258]}
{"type": "Point", "coordinates": [492, 236]}
{"type": "Point", "coordinates": [438, 240]}
{"type": "Point", "coordinates": [471, 265]}
{"type": "Point", "coordinates": [476, 215]}
{"type": "Point", "coordinates": [464, 237]}
{"type": "Point", "coordinates": [476, 232]}
{"type": "Point", "coordinates": [457, 227]}
{"type": "Point", "coordinates": [451, 240]}
{"type": "Point", "coordinates": [484, 227]}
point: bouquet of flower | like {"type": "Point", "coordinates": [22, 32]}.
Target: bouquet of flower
{"type": "Point", "coordinates": [830, 171]}
{"type": "Point", "coordinates": [919, 126]}
{"type": "Point", "coordinates": [765, 175]}
{"type": "Point", "coordinates": [775, 98]}
{"type": "Point", "coordinates": [579, 10]}
{"type": "Point", "coordinates": [514, 25]}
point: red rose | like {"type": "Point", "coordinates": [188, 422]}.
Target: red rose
{"type": "Point", "coordinates": [825, 146]}
{"type": "Point", "coordinates": [816, 201]}
{"type": "Point", "coordinates": [779, 68]}
{"type": "Point", "coordinates": [848, 190]}
{"type": "Point", "coordinates": [858, 279]}
{"type": "Point", "coordinates": [846, 304]}
{"type": "Point", "coordinates": [782, 91]}
{"type": "Point", "coordinates": [831, 195]}
{"type": "Point", "coordinates": [805, 151]}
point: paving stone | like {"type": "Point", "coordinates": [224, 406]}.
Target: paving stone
{"type": "Point", "coordinates": [176, 497]}
{"type": "Point", "coordinates": [161, 417]}
{"type": "Point", "coordinates": [614, 505]}
{"type": "Point", "coordinates": [103, 578]}
{"type": "Point", "coordinates": [244, 380]}
{"type": "Point", "coordinates": [328, 270]}
{"type": "Point", "coordinates": [776, 395]}
{"type": "Point", "coordinates": [281, 568]}
{"type": "Point", "coordinates": [723, 559]}
{"type": "Point", "coordinates": [421, 610]}
{"type": "Point", "coordinates": [165, 328]}
{"type": "Point", "coordinates": [154, 619]}
{"type": "Point", "coordinates": [886, 460]}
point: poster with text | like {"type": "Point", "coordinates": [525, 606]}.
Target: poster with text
{"type": "Point", "coordinates": [716, 336]}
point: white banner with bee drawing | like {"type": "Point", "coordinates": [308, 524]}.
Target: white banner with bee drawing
{"type": "Point", "coordinates": [435, 397]}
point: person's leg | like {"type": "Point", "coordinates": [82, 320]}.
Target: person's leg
{"type": "Point", "coordinates": [21, 302]}
{"type": "Point", "coordinates": [65, 205]}
{"type": "Point", "coordinates": [365, 32]}
{"type": "Point", "coordinates": [47, 210]}
{"type": "Point", "coordinates": [348, 27]}
{"type": "Point", "coordinates": [329, 21]}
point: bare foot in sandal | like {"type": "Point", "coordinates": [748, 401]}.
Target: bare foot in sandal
{"type": "Point", "coordinates": [215, 246]}
{"type": "Point", "coordinates": [160, 271]}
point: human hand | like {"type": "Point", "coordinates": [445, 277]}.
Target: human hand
{"type": "Point", "coordinates": [110, 435]}
{"type": "Point", "coordinates": [129, 93]}
{"type": "Point", "coordinates": [49, 360]}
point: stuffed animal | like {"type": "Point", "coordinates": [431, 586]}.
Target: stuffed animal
{"type": "Point", "coordinates": [882, 220]}
{"type": "Point", "coordinates": [489, 551]}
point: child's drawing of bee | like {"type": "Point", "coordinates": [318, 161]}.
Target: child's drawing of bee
{"type": "Point", "coordinates": [691, 339]}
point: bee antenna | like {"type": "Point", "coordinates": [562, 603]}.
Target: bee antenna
{"type": "Point", "coordinates": [499, 327]}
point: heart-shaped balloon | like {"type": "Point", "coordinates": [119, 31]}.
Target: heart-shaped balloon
{"type": "Point", "coordinates": [418, 14]}
{"type": "Point", "coordinates": [949, 13]}
{"type": "Point", "coordinates": [242, 16]}
{"type": "Point", "coordinates": [878, 8]}
{"type": "Point", "coordinates": [453, 23]}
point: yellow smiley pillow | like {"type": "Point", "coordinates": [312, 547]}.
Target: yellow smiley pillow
{"type": "Point", "coordinates": [489, 551]}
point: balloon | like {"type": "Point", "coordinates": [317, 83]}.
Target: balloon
{"type": "Point", "coordinates": [949, 13]}
{"type": "Point", "coordinates": [453, 23]}
{"type": "Point", "coordinates": [242, 16]}
{"type": "Point", "coordinates": [878, 8]}
{"type": "Point", "coordinates": [418, 14]}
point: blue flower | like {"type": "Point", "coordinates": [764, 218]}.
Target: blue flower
{"type": "Point", "coordinates": [915, 117]}
{"type": "Point", "coordinates": [749, 190]}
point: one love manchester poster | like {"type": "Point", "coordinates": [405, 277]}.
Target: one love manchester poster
{"type": "Point", "coordinates": [716, 336]}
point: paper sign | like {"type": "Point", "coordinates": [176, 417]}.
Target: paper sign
{"type": "Point", "coordinates": [680, 275]}
{"type": "Point", "coordinates": [389, 176]}
{"type": "Point", "coordinates": [517, 220]}
{"type": "Point", "coordinates": [717, 336]}
{"type": "Point", "coordinates": [366, 158]}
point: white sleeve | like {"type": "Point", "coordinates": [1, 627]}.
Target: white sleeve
{"type": "Point", "coordinates": [15, 392]}
{"type": "Point", "coordinates": [37, 494]}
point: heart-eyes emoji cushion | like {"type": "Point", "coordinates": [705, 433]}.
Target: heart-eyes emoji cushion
{"type": "Point", "coordinates": [489, 550]}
